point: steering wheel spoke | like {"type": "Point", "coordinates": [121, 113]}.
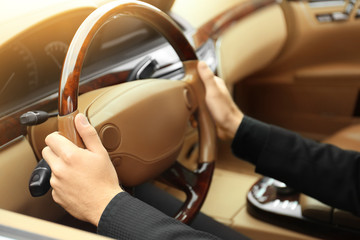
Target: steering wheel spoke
{"type": "Point", "coordinates": [194, 184]}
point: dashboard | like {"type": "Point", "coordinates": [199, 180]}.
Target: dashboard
{"type": "Point", "coordinates": [31, 63]}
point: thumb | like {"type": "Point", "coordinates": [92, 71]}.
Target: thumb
{"type": "Point", "coordinates": [88, 133]}
{"type": "Point", "coordinates": [206, 75]}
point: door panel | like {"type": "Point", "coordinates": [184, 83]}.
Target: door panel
{"type": "Point", "coordinates": [313, 85]}
{"type": "Point", "coordinates": [251, 44]}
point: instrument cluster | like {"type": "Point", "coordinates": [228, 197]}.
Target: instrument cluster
{"type": "Point", "coordinates": [31, 64]}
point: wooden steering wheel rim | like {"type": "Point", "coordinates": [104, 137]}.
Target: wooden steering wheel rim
{"type": "Point", "coordinates": [69, 84]}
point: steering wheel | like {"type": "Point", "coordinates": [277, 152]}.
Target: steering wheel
{"type": "Point", "coordinates": [142, 124]}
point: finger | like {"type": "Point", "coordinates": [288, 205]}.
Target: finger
{"type": "Point", "coordinates": [53, 181]}
{"type": "Point", "coordinates": [55, 163]}
{"type": "Point", "coordinates": [88, 134]}
{"type": "Point", "coordinates": [60, 145]}
{"type": "Point", "coordinates": [207, 76]}
{"type": "Point", "coordinates": [48, 155]}
{"type": "Point", "coordinates": [55, 196]}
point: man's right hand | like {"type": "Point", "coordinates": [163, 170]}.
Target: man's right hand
{"type": "Point", "coordinates": [226, 114]}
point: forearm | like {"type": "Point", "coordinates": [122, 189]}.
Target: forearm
{"type": "Point", "coordinates": [322, 171]}
{"type": "Point", "coordinates": [126, 217]}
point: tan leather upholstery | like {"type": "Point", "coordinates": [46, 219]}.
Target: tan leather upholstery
{"type": "Point", "coordinates": [47, 230]}
{"type": "Point", "coordinates": [312, 208]}
{"type": "Point", "coordinates": [346, 219]}
{"type": "Point", "coordinates": [347, 138]}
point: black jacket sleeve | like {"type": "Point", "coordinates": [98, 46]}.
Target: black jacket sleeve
{"type": "Point", "coordinates": [322, 171]}
{"type": "Point", "coordinates": [126, 217]}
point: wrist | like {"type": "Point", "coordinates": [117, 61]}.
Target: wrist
{"type": "Point", "coordinates": [234, 123]}
{"type": "Point", "coordinates": [100, 207]}
{"type": "Point", "coordinates": [228, 126]}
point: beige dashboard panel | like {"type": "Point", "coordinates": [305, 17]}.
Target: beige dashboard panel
{"type": "Point", "coordinates": [14, 19]}
{"type": "Point", "coordinates": [228, 190]}
{"type": "Point", "coordinates": [43, 228]}
{"type": "Point", "coordinates": [16, 164]}
{"type": "Point", "coordinates": [257, 229]}
{"type": "Point", "coordinates": [189, 9]}
{"type": "Point", "coordinates": [16, 167]}
{"type": "Point", "coordinates": [251, 44]}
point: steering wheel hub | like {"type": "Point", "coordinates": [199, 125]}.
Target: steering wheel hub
{"type": "Point", "coordinates": [150, 117]}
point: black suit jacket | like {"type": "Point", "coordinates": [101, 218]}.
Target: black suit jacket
{"type": "Point", "coordinates": [322, 171]}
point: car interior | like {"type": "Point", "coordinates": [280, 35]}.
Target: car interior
{"type": "Point", "coordinates": [130, 67]}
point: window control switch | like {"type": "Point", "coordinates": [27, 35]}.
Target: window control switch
{"type": "Point", "coordinates": [339, 16]}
